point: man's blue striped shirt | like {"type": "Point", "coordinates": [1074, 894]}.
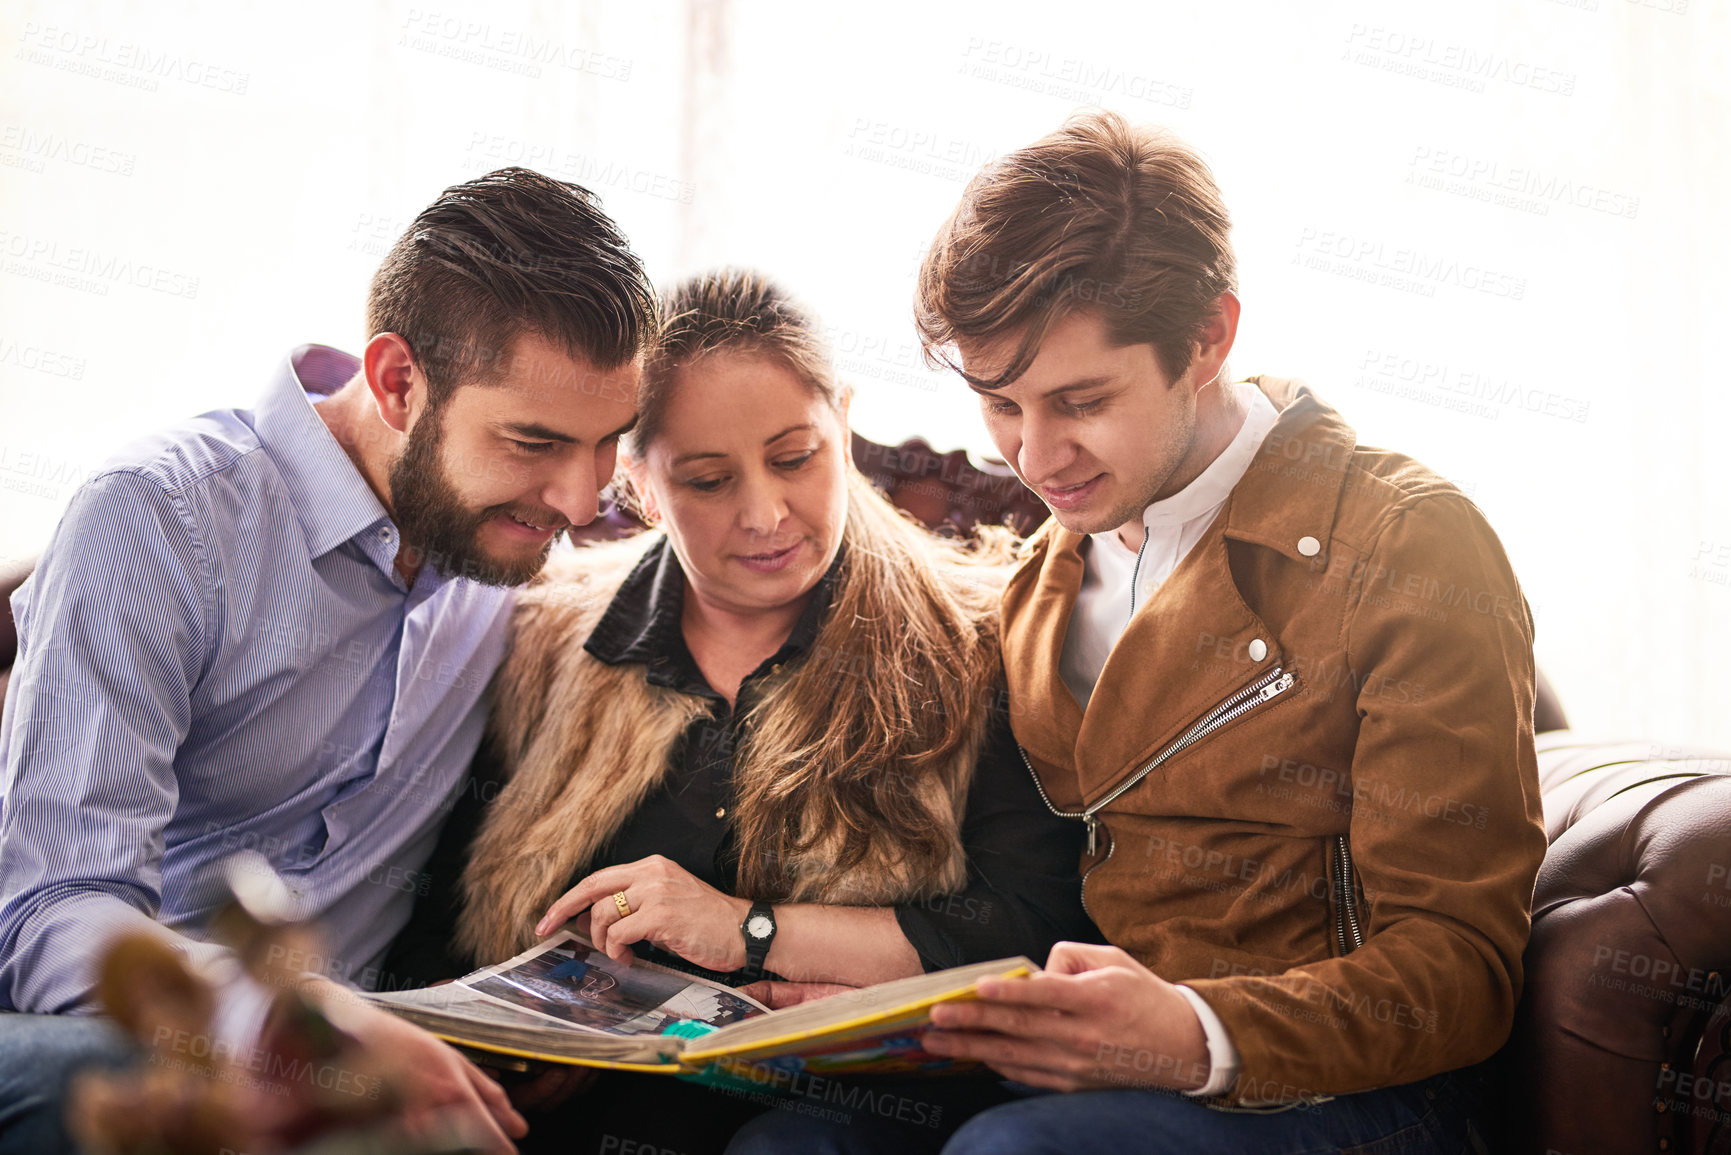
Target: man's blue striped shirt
{"type": "Point", "coordinates": [216, 653]}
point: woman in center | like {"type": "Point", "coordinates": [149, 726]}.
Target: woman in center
{"type": "Point", "coordinates": [765, 739]}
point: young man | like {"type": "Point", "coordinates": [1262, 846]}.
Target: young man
{"type": "Point", "coordinates": [271, 629]}
{"type": "Point", "coordinates": [1284, 680]}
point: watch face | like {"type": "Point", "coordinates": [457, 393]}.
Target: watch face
{"type": "Point", "coordinates": [759, 926]}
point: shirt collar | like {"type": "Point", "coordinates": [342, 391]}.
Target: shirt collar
{"type": "Point", "coordinates": [1290, 492]}
{"type": "Point", "coordinates": [1214, 484]}
{"type": "Point", "coordinates": [329, 495]}
{"type": "Point", "coordinates": [642, 622]}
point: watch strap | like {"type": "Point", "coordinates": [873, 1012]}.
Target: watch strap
{"type": "Point", "coordinates": [757, 949]}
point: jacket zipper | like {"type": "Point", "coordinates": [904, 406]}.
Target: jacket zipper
{"type": "Point", "coordinates": [1137, 572]}
{"type": "Point", "coordinates": [1348, 932]}
{"type": "Point", "coordinates": [1265, 688]}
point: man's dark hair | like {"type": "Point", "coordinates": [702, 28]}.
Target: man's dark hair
{"type": "Point", "coordinates": [505, 254]}
{"type": "Point", "coordinates": [1103, 215]}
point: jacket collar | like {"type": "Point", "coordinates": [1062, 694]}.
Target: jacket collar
{"type": "Point", "coordinates": [1290, 492]}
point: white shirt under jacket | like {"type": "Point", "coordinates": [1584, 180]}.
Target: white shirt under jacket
{"type": "Point", "coordinates": [1115, 579]}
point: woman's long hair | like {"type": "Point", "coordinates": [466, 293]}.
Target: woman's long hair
{"type": "Point", "coordinates": [906, 665]}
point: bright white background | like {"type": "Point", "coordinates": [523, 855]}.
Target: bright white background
{"type": "Point", "coordinates": [1492, 233]}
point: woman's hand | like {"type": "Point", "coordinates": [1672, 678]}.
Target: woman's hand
{"type": "Point", "coordinates": [669, 908]}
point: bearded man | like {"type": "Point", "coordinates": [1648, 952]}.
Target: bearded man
{"type": "Point", "coordinates": [271, 630]}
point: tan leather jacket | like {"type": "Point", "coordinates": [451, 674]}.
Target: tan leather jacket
{"type": "Point", "coordinates": [1308, 763]}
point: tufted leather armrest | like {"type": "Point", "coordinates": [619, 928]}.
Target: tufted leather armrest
{"type": "Point", "coordinates": [1629, 965]}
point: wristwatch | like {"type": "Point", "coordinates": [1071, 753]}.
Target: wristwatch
{"type": "Point", "coordinates": [759, 931]}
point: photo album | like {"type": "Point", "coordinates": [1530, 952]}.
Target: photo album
{"type": "Point", "coordinates": [563, 1001]}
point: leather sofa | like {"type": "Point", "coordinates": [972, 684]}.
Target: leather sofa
{"type": "Point", "coordinates": [1622, 1042]}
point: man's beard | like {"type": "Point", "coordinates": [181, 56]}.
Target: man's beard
{"type": "Point", "coordinates": [435, 523]}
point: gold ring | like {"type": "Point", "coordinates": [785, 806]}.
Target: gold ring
{"type": "Point", "coordinates": [624, 907]}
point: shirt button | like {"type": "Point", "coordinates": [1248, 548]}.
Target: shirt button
{"type": "Point", "coordinates": [1258, 649]}
{"type": "Point", "coordinates": [385, 532]}
{"type": "Point", "coordinates": [721, 812]}
{"type": "Point", "coordinates": [1309, 546]}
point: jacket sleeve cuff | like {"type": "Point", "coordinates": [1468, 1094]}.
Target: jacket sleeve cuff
{"type": "Point", "coordinates": [1222, 1055]}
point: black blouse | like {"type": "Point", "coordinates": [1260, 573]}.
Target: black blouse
{"type": "Point", "coordinates": [1022, 893]}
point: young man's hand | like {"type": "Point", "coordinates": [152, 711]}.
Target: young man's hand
{"type": "Point", "coordinates": [1094, 1019]}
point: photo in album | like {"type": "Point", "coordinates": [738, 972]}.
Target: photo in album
{"type": "Point", "coordinates": [568, 981]}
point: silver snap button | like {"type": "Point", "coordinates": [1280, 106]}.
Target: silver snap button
{"type": "Point", "coordinates": [1258, 649]}
{"type": "Point", "coordinates": [1309, 546]}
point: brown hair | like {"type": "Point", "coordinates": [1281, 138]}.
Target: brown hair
{"type": "Point", "coordinates": [737, 312]}
{"type": "Point", "coordinates": [889, 694]}
{"type": "Point", "coordinates": [1102, 214]}
{"type": "Point", "coordinates": [501, 255]}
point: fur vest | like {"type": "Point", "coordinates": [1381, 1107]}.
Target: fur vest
{"type": "Point", "coordinates": [583, 744]}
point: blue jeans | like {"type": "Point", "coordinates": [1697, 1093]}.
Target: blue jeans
{"type": "Point", "coordinates": [1433, 1117]}
{"type": "Point", "coordinates": [39, 1054]}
